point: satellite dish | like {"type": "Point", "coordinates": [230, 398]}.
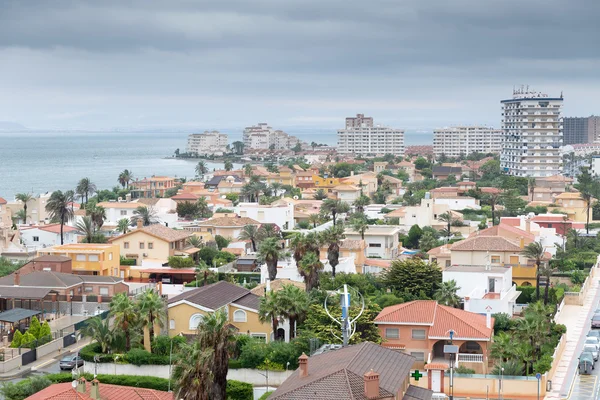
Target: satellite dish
{"type": "Point", "coordinates": [74, 384]}
{"type": "Point", "coordinates": [295, 197]}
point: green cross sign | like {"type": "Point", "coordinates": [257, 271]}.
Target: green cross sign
{"type": "Point", "coordinates": [416, 375]}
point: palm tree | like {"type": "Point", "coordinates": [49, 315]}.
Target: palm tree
{"type": "Point", "coordinates": [293, 303]}
{"type": "Point", "coordinates": [493, 199]}
{"type": "Point", "coordinates": [546, 272]}
{"type": "Point", "coordinates": [309, 268]}
{"type": "Point", "coordinates": [360, 225]}
{"type": "Point", "coordinates": [248, 169]}
{"type": "Point", "coordinates": [446, 294]}
{"type": "Point", "coordinates": [269, 312]}
{"type": "Point", "coordinates": [71, 194]}
{"type": "Point", "coordinates": [147, 215]}
{"type": "Point", "coordinates": [216, 333]}
{"type": "Point", "coordinates": [270, 252]}
{"type": "Point", "coordinates": [123, 225]}
{"type": "Point", "coordinates": [320, 195]}
{"type": "Point", "coordinates": [332, 238]}
{"type": "Point", "coordinates": [192, 375]}
{"type": "Point", "coordinates": [125, 314]}
{"type": "Point", "coordinates": [249, 232]}
{"type": "Point", "coordinates": [86, 226]}
{"type": "Point", "coordinates": [24, 198]}
{"type": "Point", "coordinates": [125, 177]}
{"type": "Point", "coordinates": [535, 251]}
{"type": "Point", "coordinates": [85, 188]}
{"type": "Point", "coordinates": [531, 185]}
{"type": "Point", "coordinates": [228, 165]}
{"type": "Point", "coordinates": [21, 215]}
{"type": "Point", "coordinates": [99, 330]}
{"type": "Point", "coordinates": [503, 347]}
{"type": "Point", "coordinates": [276, 188]}
{"type": "Point", "coordinates": [335, 207]}
{"type": "Point", "coordinates": [304, 244]}
{"type": "Point", "coordinates": [194, 241]}
{"type": "Point", "coordinates": [268, 231]}
{"type": "Point", "coordinates": [152, 310]}
{"type": "Point", "coordinates": [203, 208]}
{"type": "Point", "coordinates": [58, 209]}
{"type": "Point", "coordinates": [427, 241]}
{"type": "Point", "coordinates": [201, 169]}
{"type": "Point", "coordinates": [361, 202]}
{"type": "Point", "coordinates": [314, 219]}
{"type": "Point", "coordinates": [97, 214]}
{"type": "Point", "coordinates": [238, 147]}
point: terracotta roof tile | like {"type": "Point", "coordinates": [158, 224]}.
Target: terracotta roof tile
{"type": "Point", "coordinates": [276, 286]}
{"type": "Point", "coordinates": [159, 231]}
{"type": "Point", "coordinates": [420, 312]}
{"type": "Point", "coordinates": [352, 244]}
{"type": "Point", "coordinates": [229, 221]}
{"type": "Point", "coordinates": [417, 393]}
{"type": "Point", "coordinates": [2, 201]}
{"type": "Point", "coordinates": [485, 243]}
{"type": "Point", "coordinates": [64, 391]}
{"type": "Point", "coordinates": [212, 296]}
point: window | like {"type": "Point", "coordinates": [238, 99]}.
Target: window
{"type": "Point", "coordinates": [239, 316]}
{"type": "Point", "coordinates": [93, 257]}
{"type": "Point", "coordinates": [80, 257]}
{"type": "Point", "coordinates": [123, 212]}
{"type": "Point", "coordinates": [88, 289]}
{"type": "Point", "coordinates": [141, 245]}
{"type": "Point", "coordinates": [259, 336]}
{"type": "Point", "coordinates": [125, 245]}
{"type": "Point", "coordinates": [374, 244]}
{"type": "Point", "coordinates": [110, 256]}
{"type": "Point", "coordinates": [392, 333]}
{"type": "Point", "coordinates": [172, 324]}
{"type": "Point", "coordinates": [36, 238]}
{"type": "Point", "coordinates": [549, 225]}
{"type": "Point", "coordinates": [418, 334]}
{"type": "Point", "coordinates": [195, 321]}
{"type": "Point", "coordinates": [495, 259]}
{"type": "Point", "coordinates": [150, 246]}
{"type": "Point", "coordinates": [104, 291]}
{"type": "Point", "coordinates": [419, 355]}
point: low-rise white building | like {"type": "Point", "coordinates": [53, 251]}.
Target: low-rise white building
{"type": "Point", "coordinates": [382, 240]}
{"type": "Point", "coordinates": [464, 140]}
{"type": "Point", "coordinates": [596, 166]}
{"type": "Point", "coordinates": [207, 143]}
{"type": "Point", "coordinates": [36, 237]}
{"type": "Point", "coordinates": [458, 202]}
{"type": "Point", "coordinates": [484, 288]}
{"type": "Point", "coordinates": [280, 213]}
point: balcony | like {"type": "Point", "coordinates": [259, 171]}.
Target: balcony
{"type": "Point", "coordinates": [465, 357]}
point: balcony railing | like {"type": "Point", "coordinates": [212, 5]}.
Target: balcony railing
{"type": "Point", "coordinates": [463, 357]}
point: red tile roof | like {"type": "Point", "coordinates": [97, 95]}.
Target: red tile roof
{"type": "Point", "coordinates": [442, 319]}
{"type": "Point", "coordinates": [486, 243]}
{"type": "Point", "coordinates": [64, 391]}
{"type": "Point", "coordinates": [2, 201]}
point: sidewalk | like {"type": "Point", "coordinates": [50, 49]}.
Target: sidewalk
{"type": "Point", "coordinates": [576, 319]}
{"type": "Point", "coordinates": [43, 361]}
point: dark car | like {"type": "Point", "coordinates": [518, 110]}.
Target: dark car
{"type": "Point", "coordinates": [596, 321]}
{"type": "Point", "coordinates": [70, 362]}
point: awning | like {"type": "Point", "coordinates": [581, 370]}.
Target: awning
{"type": "Point", "coordinates": [191, 250]}
{"type": "Point", "coordinates": [17, 314]}
{"type": "Point", "coordinates": [21, 292]}
{"type": "Point", "coordinates": [167, 271]}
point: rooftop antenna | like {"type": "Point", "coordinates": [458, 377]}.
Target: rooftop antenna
{"type": "Point", "coordinates": [347, 324]}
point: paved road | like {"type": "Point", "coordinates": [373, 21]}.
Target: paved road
{"type": "Point", "coordinates": [585, 387]}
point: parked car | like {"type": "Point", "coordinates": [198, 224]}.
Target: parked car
{"type": "Point", "coordinates": [593, 333]}
{"type": "Point", "coordinates": [586, 363]}
{"type": "Point", "coordinates": [70, 362]}
{"type": "Point", "coordinates": [596, 321]}
{"type": "Point", "coordinates": [591, 348]}
{"type": "Point", "coordinates": [593, 340]}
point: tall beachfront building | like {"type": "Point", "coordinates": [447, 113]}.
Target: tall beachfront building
{"type": "Point", "coordinates": [464, 140]}
{"type": "Point", "coordinates": [581, 129]}
{"type": "Point", "coordinates": [263, 137]}
{"type": "Point", "coordinates": [207, 143]}
{"type": "Point", "coordinates": [361, 136]}
{"type": "Point", "coordinates": [532, 134]}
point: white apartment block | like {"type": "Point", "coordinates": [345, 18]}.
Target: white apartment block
{"type": "Point", "coordinates": [595, 166]}
{"type": "Point", "coordinates": [464, 140]}
{"type": "Point", "coordinates": [263, 137]}
{"type": "Point", "coordinates": [361, 136]}
{"type": "Point", "coordinates": [207, 143]}
{"type": "Point", "coordinates": [532, 134]}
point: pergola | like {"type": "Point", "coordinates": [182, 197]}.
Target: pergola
{"type": "Point", "coordinates": [9, 294]}
{"type": "Point", "coordinates": [16, 316]}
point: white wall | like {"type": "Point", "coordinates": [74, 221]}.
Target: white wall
{"type": "Point", "coordinates": [458, 203]}
{"type": "Point", "coordinates": [267, 214]}
{"type": "Point", "coordinates": [469, 281]}
{"type": "Point", "coordinates": [46, 239]}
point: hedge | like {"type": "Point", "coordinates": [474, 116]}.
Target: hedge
{"type": "Point", "coordinates": [134, 356]}
{"type": "Point", "coordinates": [265, 396]}
{"type": "Point", "coordinates": [128, 261]}
{"type": "Point", "coordinates": [555, 294]}
{"type": "Point", "coordinates": [236, 390]}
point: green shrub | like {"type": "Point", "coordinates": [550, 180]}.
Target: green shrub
{"type": "Point", "coordinates": [502, 322]}
{"type": "Point", "coordinates": [24, 388]}
{"type": "Point", "coordinates": [253, 354]}
{"type": "Point", "coordinates": [88, 352]}
{"type": "Point", "coordinates": [143, 357]}
{"type": "Point", "coordinates": [35, 327]}
{"type": "Point", "coordinates": [577, 277]}
{"type": "Point", "coordinates": [127, 261]}
{"type": "Point", "coordinates": [464, 370]}
{"type": "Point", "coordinates": [161, 345]}
{"type": "Point", "coordinates": [17, 338]}
{"type": "Point", "coordinates": [91, 298]}
{"type": "Point", "coordinates": [45, 330]}
{"type": "Point", "coordinates": [237, 390]}
{"type": "Point", "coordinates": [265, 396]}
{"type": "Point", "coordinates": [28, 340]}
{"type": "Point", "coordinates": [234, 364]}
{"type": "Point", "coordinates": [148, 382]}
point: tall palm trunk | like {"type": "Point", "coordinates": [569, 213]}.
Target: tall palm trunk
{"type": "Point", "coordinates": [25, 208]}
{"type": "Point", "coordinates": [62, 224]}
{"type": "Point", "coordinates": [151, 328]}
{"type": "Point", "coordinates": [292, 328]}
{"type": "Point", "coordinates": [546, 290]}
{"type": "Point", "coordinates": [587, 225]}
{"type": "Point", "coordinates": [275, 324]}
{"type": "Point", "coordinates": [333, 214]}
{"type": "Point", "coordinates": [537, 280]}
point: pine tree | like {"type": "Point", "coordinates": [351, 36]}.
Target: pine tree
{"type": "Point", "coordinates": [45, 330]}
{"type": "Point", "coordinates": [35, 327]}
{"type": "Point", "coordinates": [17, 338]}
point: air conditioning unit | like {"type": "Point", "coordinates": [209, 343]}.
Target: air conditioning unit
{"type": "Point", "coordinates": [145, 254]}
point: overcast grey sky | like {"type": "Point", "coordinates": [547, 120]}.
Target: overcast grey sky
{"type": "Point", "coordinates": [204, 64]}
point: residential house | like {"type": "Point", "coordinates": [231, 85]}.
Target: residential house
{"type": "Point", "coordinates": [395, 184]}
{"type": "Point", "coordinates": [229, 185]}
{"type": "Point", "coordinates": [444, 191]}
{"type": "Point", "coordinates": [213, 183]}
{"type": "Point", "coordinates": [115, 211]}
{"type": "Point", "coordinates": [284, 176]}
{"type": "Point", "coordinates": [280, 212]}
{"type": "Point", "coordinates": [458, 202]}
{"type": "Point", "coordinates": [442, 173]}
{"type": "Point", "coordinates": [574, 206]}
{"type": "Point", "coordinates": [275, 286]}
{"type": "Point", "coordinates": [366, 181]}
{"type": "Point", "coordinates": [381, 240]}
{"type": "Point", "coordinates": [186, 310]}
{"type": "Point", "coordinates": [40, 236]}
{"type": "Point", "coordinates": [10, 246]}
{"type": "Point", "coordinates": [484, 288]}
{"type": "Point", "coordinates": [550, 186]}
{"type": "Point", "coordinates": [347, 193]}
{"type": "Point", "coordinates": [155, 186]}
{"type": "Point", "coordinates": [561, 223]}
{"type": "Point", "coordinates": [327, 183]}
{"type": "Point", "coordinates": [89, 258]}
{"type": "Point", "coordinates": [36, 208]}
{"type": "Point", "coordinates": [350, 248]}
{"type": "Point", "coordinates": [154, 244]}
{"type": "Point", "coordinates": [95, 391]}
{"type": "Point", "coordinates": [227, 227]}
{"type": "Point", "coordinates": [246, 263]}
{"type": "Point", "coordinates": [422, 328]}
{"type": "Point", "coordinates": [48, 263]}
{"type": "Point", "coordinates": [362, 371]}
{"type": "Point", "coordinates": [304, 179]}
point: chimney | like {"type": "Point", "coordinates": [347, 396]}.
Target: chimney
{"type": "Point", "coordinates": [95, 392]}
{"type": "Point", "coordinates": [352, 173]}
{"type": "Point", "coordinates": [17, 278]}
{"type": "Point", "coordinates": [140, 223]}
{"type": "Point", "coordinates": [303, 365]}
{"type": "Point", "coordinates": [522, 242]}
{"type": "Point", "coordinates": [528, 225]}
{"type": "Point", "coordinates": [81, 385]}
{"type": "Point", "coordinates": [371, 385]}
{"type": "Point", "coordinates": [488, 317]}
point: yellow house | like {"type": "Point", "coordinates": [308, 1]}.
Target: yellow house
{"type": "Point", "coordinates": [156, 242]}
{"type": "Point", "coordinates": [89, 258]}
{"type": "Point", "coordinates": [573, 205]}
{"type": "Point", "coordinates": [284, 176]}
{"type": "Point", "coordinates": [350, 248]}
{"type": "Point", "coordinates": [187, 310]}
{"type": "Point", "coordinates": [325, 183]}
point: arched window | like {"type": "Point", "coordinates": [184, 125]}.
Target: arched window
{"type": "Point", "coordinates": [239, 316]}
{"type": "Point", "coordinates": [194, 321]}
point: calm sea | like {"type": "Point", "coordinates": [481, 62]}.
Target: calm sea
{"type": "Point", "coordinates": [41, 162]}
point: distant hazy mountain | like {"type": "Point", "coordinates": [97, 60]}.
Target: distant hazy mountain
{"type": "Point", "coordinates": [11, 126]}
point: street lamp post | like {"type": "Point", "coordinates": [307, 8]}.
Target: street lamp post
{"type": "Point", "coordinates": [170, 362]}
{"type": "Point", "coordinates": [501, 387]}
{"type": "Point", "coordinates": [452, 350]}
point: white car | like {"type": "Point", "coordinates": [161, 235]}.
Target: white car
{"type": "Point", "coordinates": [593, 340]}
{"type": "Point", "coordinates": [591, 348]}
